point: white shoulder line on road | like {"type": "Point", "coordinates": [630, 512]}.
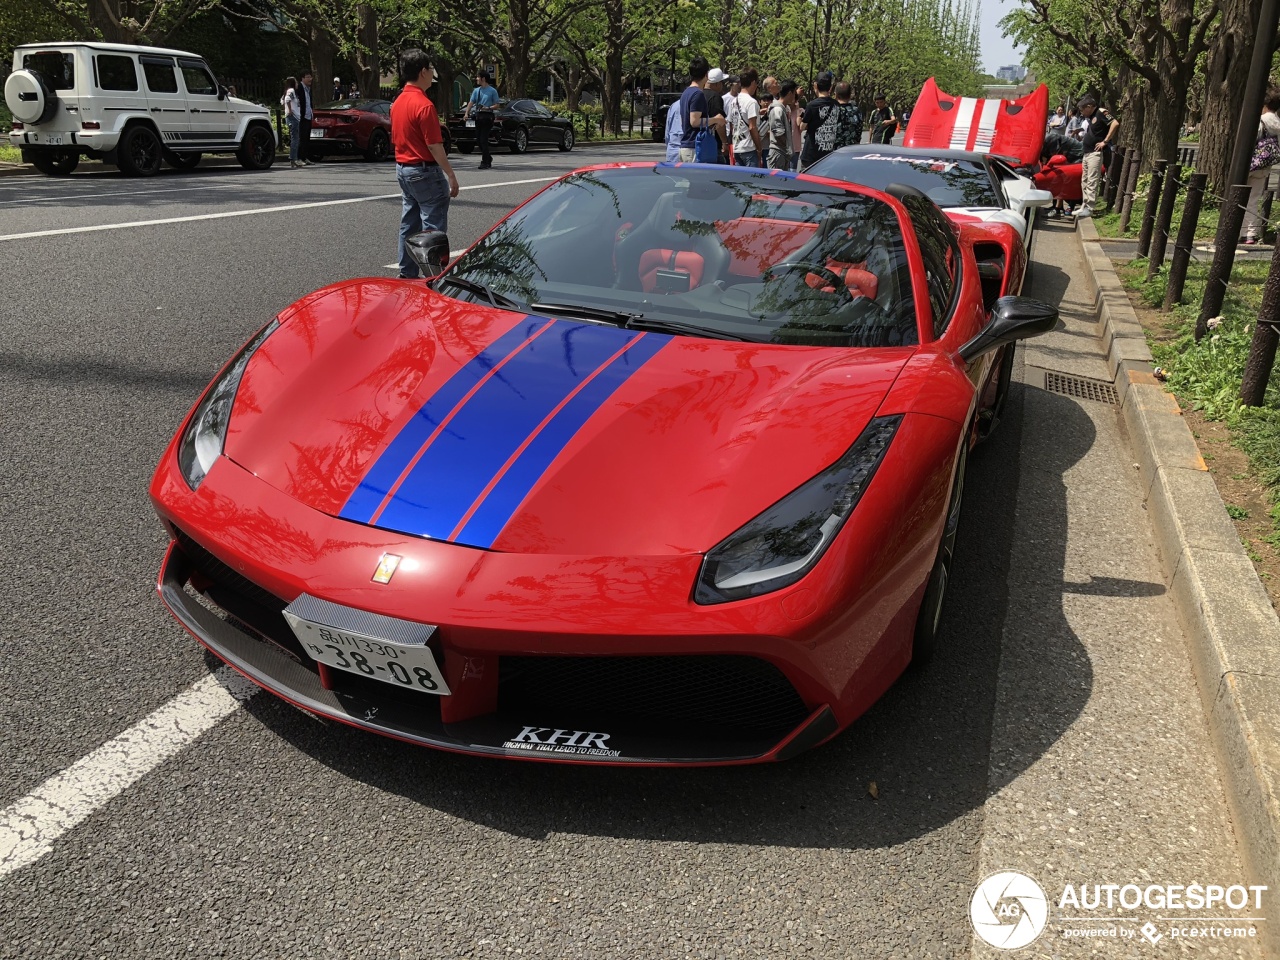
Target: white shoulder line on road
{"type": "Point", "coordinates": [248, 213]}
{"type": "Point", "coordinates": [29, 827]}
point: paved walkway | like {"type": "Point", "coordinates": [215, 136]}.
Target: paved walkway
{"type": "Point", "coordinates": [1093, 655]}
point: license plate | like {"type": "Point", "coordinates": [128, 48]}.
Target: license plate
{"type": "Point", "coordinates": [317, 134]}
{"type": "Point", "coordinates": [410, 664]}
{"type": "Point", "coordinates": [52, 139]}
{"type": "Point", "coordinates": [471, 123]}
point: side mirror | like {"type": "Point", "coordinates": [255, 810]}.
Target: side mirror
{"type": "Point", "coordinates": [1013, 318]}
{"type": "Point", "coordinates": [431, 251]}
{"type": "Point", "coordinates": [1037, 198]}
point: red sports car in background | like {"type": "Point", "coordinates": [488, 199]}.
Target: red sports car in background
{"type": "Point", "coordinates": [666, 468]}
{"type": "Point", "coordinates": [357, 126]}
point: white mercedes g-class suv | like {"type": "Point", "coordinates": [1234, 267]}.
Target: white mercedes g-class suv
{"type": "Point", "coordinates": [131, 106]}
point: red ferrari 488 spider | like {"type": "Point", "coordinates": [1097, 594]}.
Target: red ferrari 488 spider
{"type": "Point", "coordinates": [666, 469]}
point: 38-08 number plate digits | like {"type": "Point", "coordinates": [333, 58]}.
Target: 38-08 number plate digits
{"type": "Point", "coordinates": [399, 664]}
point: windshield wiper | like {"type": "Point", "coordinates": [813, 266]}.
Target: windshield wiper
{"type": "Point", "coordinates": [471, 286]}
{"type": "Point", "coordinates": [634, 321]}
{"type": "Point", "coordinates": [638, 322]}
{"type": "Point", "coordinates": [619, 318]}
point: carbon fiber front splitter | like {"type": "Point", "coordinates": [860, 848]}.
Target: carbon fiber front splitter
{"type": "Point", "coordinates": [418, 720]}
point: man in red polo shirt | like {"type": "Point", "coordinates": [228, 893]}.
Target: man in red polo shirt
{"type": "Point", "coordinates": [422, 167]}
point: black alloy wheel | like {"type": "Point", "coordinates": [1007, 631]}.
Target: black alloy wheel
{"type": "Point", "coordinates": [925, 641]}
{"type": "Point", "coordinates": [55, 163]}
{"type": "Point", "coordinates": [379, 148]}
{"type": "Point", "coordinates": [140, 153]}
{"type": "Point", "coordinates": [257, 149]}
{"type": "Point", "coordinates": [520, 140]}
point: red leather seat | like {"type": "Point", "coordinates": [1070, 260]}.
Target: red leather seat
{"type": "Point", "coordinates": [683, 262]}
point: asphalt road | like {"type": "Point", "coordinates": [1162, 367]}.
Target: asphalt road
{"type": "Point", "coordinates": [1059, 731]}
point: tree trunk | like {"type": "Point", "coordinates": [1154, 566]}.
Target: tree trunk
{"type": "Point", "coordinates": [322, 49]}
{"type": "Point", "coordinates": [573, 86]}
{"type": "Point", "coordinates": [367, 50]}
{"type": "Point", "coordinates": [515, 54]}
{"type": "Point", "coordinates": [611, 92]}
{"type": "Point", "coordinates": [1226, 73]}
{"type": "Point", "coordinates": [1163, 120]}
{"type": "Point", "coordinates": [105, 17]}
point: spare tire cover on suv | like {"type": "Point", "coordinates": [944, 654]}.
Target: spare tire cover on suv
{"type": "Point", "coordinates": [28, 97]}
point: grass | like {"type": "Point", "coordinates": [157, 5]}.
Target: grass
{"type": "Point", "coordinates": [1108, 225]}
{"type": "Point", "coordinates": [1206, 375]}
{"type": "Point", "coordinates": [10, 154]}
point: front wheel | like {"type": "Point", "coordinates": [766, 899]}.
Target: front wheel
{"type": "Point", "coordinates": [55, 163]}
{"type": "Point", "coordinates": [925, 641]}
{"type": "Point", "coordinates": [140, 153]}
{"type": "Point", "coordinates": [257, 149]}
{"type": "Point", "coordinates": [520, 141]}
{"type": "Point", "coordinates": [566, 142]}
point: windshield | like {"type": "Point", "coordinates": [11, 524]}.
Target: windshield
{"type": "Point", "coordinates": [347, 105]}
{"type": "Point", "coordinates": [747, 255]}
{"type": "Point", "coordinates": [948, 183]}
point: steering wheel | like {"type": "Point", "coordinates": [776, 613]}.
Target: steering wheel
{"type": "Point", "coordinates": [789, 266]}
{"type": "Point", "coordinates": [829, 276]}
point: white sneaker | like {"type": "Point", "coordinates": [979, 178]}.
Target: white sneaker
{"type": "Point", "coordinates": [1085, 211]}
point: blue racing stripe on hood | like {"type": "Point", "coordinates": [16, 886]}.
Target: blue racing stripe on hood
{"type": "Point", "coordinates": [457, 467]}
{"type": "Point", "coordinates": [377, 483]}
{"type": "Point", "coordinates": [518, 482]}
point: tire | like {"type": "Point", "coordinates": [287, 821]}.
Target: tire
{"type": "Point", "coordinates": [566, 141]}
{"type": "Point", "coordinates": [379, 149]}
{"type": "Point", "coordinates": [257, 149]}
{"type": "Point", "coordinates": [140, 153]}
{"type": "Point", "coordinates": [925, 641]}
{"type": "Point", "coordinates": [55, 163]}
{"type": "Point", "coordinates": [520, 140]}
{"type": "Point", "coordinates": [182, 161]}
{"type": "Point", "coordinates": [466, 147]}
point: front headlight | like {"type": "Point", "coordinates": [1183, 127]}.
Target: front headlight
{"type": "Point", "coordinates": [202, 443]}
{"type": "Point", "coordinates": [782, 544]}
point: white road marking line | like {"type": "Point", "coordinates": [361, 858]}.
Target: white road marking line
{"type": "Point", "coordinates": [248, 213]}
{"type": "Point", "coordinates": [71, 197]}
{"type": "Point", "coordinates": [30, 826]}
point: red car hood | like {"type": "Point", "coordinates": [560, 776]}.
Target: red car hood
{"type": "Point", "coordinates": [387, 404]}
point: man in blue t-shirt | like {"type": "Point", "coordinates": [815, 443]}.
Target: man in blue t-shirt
{"type": "Point", "coordinates": [483, 102]}
{"type": "Point", "coordinates": [693, 107]}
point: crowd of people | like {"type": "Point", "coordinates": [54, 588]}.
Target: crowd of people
{"type": "Point", "coordinates": [1084, 135]}
{"type": "Point", "coordinates": [744, 120]}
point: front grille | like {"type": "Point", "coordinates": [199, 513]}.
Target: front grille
{"type": "Point", "coordinates": [252, 606]}
{"type": "Point", "coordinates": [223, 575]}
{"type": "Point", "coordinates": [727, 694]}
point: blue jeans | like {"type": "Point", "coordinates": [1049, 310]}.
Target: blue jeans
{"type": "Point", "coordinates": [424, 206]}
{"type": "Point", "coordinates": [294, 134]}
{"type": "Point", "coordinates": [747, 158]}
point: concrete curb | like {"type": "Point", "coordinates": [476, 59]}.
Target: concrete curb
{"type": "Point", "coordinates": [25, 169]}
{"type": "Point", "coordinates": [1228, 617]}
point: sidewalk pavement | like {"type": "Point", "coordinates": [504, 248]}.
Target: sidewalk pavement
{"type": "Point", "coordinates": [1228, 617]}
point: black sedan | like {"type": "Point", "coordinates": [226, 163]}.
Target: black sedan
{"type": "Point", "coordinates": [518, 125]}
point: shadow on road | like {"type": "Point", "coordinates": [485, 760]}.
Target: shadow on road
{"type": "Point", "coordinates": [926, 744]}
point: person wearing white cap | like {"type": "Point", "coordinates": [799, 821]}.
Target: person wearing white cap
{"type": "Point", "coordinates": [715, 109]}
{"type": "Point", "coordinates": [337, 88]}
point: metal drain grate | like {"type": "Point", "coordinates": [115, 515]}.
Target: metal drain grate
{"type": "Point", "coordinates": [1082, 388]}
